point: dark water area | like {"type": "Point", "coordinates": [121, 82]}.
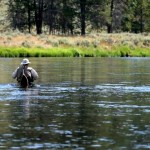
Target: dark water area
{"type": "Point", "coordinates": [77, 104]}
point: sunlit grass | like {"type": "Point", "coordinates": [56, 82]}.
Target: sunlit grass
{"type": "Point", "coordinates": [93, 45]}
{"type": "Point", "coordinates": [120, 51]}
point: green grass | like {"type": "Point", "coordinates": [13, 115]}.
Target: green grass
{"type": "Point", "coordinates": [14, 44]}
{"type": "Point", "coordinates": [116, 51]}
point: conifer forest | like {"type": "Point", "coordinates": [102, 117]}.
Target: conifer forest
{"type": "Point", "coordinates": [71, 17]}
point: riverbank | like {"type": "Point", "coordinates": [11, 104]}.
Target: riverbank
{"type": "Point", "coordinates": [93, 45]}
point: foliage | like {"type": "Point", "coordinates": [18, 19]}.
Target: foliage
{"type": "Point", "coordinates": [75, 16]}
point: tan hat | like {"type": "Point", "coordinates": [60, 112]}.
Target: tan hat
{"type": "Point", "coordinates": [25, 61]}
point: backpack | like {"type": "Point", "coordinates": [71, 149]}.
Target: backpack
{"type": "Point", "coordinates": [25, 74]}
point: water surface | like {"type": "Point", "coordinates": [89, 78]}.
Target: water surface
{"type": "Point", "coordinates": [77, 103]}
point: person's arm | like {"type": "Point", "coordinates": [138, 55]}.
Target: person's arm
{"type": "Point", "coordinates": [14, 74]}
{"type": "Point", "coordinates": [34, 74]}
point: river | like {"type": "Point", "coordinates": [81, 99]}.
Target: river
{"type": "Point", "coordinates": [78, 104]}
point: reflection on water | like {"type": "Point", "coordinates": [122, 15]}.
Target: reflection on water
{"type": "Point", "coordinates": [78, 103]}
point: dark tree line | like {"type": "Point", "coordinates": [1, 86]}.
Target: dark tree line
{"type": "Point", "coordinates": [79, 16]}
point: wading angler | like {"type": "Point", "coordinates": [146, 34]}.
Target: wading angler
{"type": "Point", "coordinates": [24, 74]}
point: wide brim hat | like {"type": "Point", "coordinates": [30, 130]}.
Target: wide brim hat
{"type": "Point", "coordinates": [25, 61]}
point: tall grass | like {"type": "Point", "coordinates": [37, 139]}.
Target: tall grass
{"type": "Point", "coordinates": [93, 45]}
{"type": "Point", "coordinates": [120, 51]}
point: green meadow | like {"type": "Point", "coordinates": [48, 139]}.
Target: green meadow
{"type": "Point", "coordinates": [93, 45]}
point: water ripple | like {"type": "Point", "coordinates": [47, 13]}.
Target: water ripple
{"type": "Point", "coordinates": [122, 88]}
{"type": "Point", "coordinates": [51, 92]}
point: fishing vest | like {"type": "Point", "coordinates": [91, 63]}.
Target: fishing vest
{"type": "Point", "coordinates": [27, 72]}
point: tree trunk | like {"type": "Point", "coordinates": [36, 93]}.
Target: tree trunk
{"type": "Point", "coordinates": [29, 17]}
{"type": "Point", "coordinates": [38, 15]}
{"type": "Point", "coordinates": [141, 17]}
{"type": "Point", "coordinates": [51, 17]}
{"type": "Point", "coordinates": [110, 27]}
{"type": "Point", "coordinates": [83, 11]}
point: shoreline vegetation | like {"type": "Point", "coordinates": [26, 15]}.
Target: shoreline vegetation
{"type": "Point", "coordinates": [92, 45]}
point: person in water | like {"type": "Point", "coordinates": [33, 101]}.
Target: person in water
{"type": "Point", "coordinates": [29, 72]}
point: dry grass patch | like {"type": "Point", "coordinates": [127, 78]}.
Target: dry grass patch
{"type": "Point", "coordinates": [90, 45]}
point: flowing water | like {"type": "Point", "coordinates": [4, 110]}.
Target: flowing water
{"type": "Point", "coordinates": [77, 104]}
